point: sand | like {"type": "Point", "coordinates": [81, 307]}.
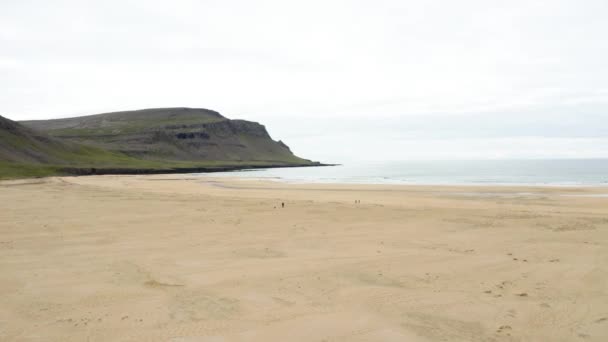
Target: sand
{"type": "Point", "coordinates": [181, 258]}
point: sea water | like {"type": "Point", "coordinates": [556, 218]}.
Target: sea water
{"type": "Point", "coordinates": [453, 172]}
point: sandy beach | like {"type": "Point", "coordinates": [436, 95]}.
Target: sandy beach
{"type": "Point", "coordinates": [182, 258]}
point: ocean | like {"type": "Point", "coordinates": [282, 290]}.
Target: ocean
{"type": "Point", "coordinates": [479, 172]}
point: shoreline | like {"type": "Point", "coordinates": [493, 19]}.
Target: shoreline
{"type": "Point", "coordinates": [247, 183]}
{"type": "Point", "coordinates": [30, 171]}
{"type": "Point", "coordinates": [385, 194]}
{"type": "Point", "coordinates": [91, 171]}
{"type": "Point", "coordinates": [198, 183]}
{"type": "Point", "coordinates": [256, 183]}
{"type": "Point", "coordinates": [446, 184]}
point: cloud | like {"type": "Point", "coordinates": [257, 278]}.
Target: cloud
{"type": "Point", "coordinates": [402, 69]}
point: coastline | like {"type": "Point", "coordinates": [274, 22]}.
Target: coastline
{"type": "Point", "coordinates": [407, 184]}
{"type": "Point", "coordinates": [28, 171]}
{"type": "Point", "coordinates": [195, 183]}
{"type": "Point", "coordinates": [542, 172]}
{"type": "Point", "coordinates": [90, 171]}
{"type": "Point", "coordinates": [190, 258]}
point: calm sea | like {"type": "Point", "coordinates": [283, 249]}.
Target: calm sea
{"type": "Point", "coordinates": [507, 172]}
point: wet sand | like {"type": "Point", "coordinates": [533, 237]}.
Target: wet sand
{"type": "Point", "coordinates": [181, 258]}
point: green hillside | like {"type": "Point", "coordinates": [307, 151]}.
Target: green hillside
{"type": "Point", "coordinates": [172, 134]}
{"type": "Point", "coordinates": [144, 141]}
{"type": "Point", "coordinates": [28, 153]}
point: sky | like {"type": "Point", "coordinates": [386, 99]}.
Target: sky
{"type": "Point", "coordinates": [337, 80]}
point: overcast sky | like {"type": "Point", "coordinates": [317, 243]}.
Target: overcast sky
{"type": "Point", "coordinates": [336, 80]}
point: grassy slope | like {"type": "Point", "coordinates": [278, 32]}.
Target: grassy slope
{"type": "Point", "coordinates": [12, 170]}
{"type": "Point", "coordinates": [152, 134]}
{"type": "Point", "coordinates": [25, 152]}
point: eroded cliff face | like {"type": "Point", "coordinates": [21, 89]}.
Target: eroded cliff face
{"type": "Point", "coordinates": [219, 129]}
{"type": "Point", "coordinates": [226, 139]}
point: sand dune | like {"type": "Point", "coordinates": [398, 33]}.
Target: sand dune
{"type": "Point", "coordinates": [179, 258]}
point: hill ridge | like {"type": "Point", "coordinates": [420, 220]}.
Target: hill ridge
{"type": "Point", "coordinates": [153, 140]}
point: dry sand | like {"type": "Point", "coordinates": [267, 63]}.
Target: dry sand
{"type": "Point", "coordinates": [177, 258]}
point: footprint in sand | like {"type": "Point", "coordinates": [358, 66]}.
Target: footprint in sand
{"type": "Point", "coordinates": [504, 328]}
{"type": "Point", "coordinates": [157, 284]}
